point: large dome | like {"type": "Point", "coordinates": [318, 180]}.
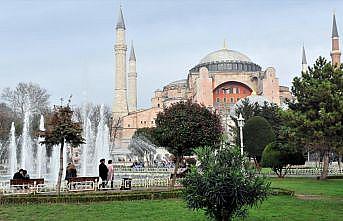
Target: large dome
{"type": "Point", "coordinates": [224, 55]}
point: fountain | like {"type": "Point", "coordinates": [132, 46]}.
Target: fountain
{"type": "Point", "coordinates": [26, 146]}
{"type": "Point", "coordinates": [41, 151]}
{"type": "Point", "coordinates": [39, 165]}
{"type": "Point", "coordinates": [85, 148]}
{"type": "Point", "coordinates": [54, 164]}
{"type": "Point", "coordinates": [102, 144]}
{"type": "Point", "coordinates": [12, 151]}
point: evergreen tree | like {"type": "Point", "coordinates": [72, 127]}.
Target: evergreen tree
{"type": "Point", "coordinates": [314, 119]}
{"type": "Point", "coordinates": [257, 133]}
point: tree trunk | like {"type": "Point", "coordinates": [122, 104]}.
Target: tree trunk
{"type": "Point", "coordinates": [279, 172]}
{"type": "Point", "coordinates": [340, 161]}
{"type": "Point", "coordinates": [325, 170]}
{"type": "Point", "coordinates": [257, 165]}
{"type": "Point", "coordinates": [225, 216]}
{"type": "Point", "coordinates": [60, 173]}
{"type": "Point", "coordinates": [178, 159]}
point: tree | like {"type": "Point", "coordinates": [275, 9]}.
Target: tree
{"type": "Point", "coordinates": [184, 126]}
{"type": "Point", "coordinates": [62, 129]}
{"type": "Point", "coordinates": [6, 118]}
{"type": "Point", "coordinates": [257, 133]}
{"type": "Point", "coordinates": [224, 185]}
{"type": "Point", "coordinates": [92, 111]}
{"type": "Point", "coordinates": [314, 119]}
{"type": "Point", "coordinates": [270, 111]}
{"type": "Point", "coordinates": [279, 156]}
{"type": "Point", "coordinates": [27, 92]}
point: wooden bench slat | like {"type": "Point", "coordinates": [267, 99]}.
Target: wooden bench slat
{"type": "Point", "coordinates": [26, 182]}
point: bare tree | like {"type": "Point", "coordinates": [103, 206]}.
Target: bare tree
{"type": "Point", "coordinates": [115, 126]}
{"type": "Point", "coordinates": [92, 111]}
{"type": "Point", "coordinates": [6, 118]}
{"type": "Point", "coordinates": [18, 97]}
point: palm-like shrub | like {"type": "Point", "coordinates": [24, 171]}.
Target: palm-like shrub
{"type": "Point", "coordinates": [224, 184]}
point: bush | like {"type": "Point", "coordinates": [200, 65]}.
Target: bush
{"type": "Point", "coordinates": [257, 134]}
{"type": "Point", "coordinates": [89, 197]}
{"type": "Point", "coordinates": [280, 157]}
{"type": "Point", "coordinates": [224, 185]}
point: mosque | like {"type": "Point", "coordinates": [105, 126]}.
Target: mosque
{"type": "Point", "coordinates": [218, 81]}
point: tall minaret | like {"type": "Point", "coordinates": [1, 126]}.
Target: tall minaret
{"type": "Point", "coordinates": [335, 53]}
{"type": "Point", "coordinates": [120, 107]}
{"type": "Point", "coordinates": [303, 61]}
{"type": "Point", "coordinates": [132, 81]}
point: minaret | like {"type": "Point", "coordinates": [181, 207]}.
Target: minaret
{"type": "Point", "coordinates": [120, 107]}
{"type": "Point", "coordinates": [132, 81]}
{"type": "Point", "coordinates": [303, 61]}
{"type": "Point", "coordinates": [335, 53]}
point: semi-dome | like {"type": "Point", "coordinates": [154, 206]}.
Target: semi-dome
{"type": "Point", "coordinates": [259, 99]}
{"type": "Point", "coordinates": [252, 99]}
{"type": "Point", "coordinates": [224, 55]}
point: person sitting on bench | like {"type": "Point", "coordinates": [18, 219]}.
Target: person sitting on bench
{"type": "Point", "coordinates": [26, 175]}
{"type": "Point", "coordinates": [19, 175]}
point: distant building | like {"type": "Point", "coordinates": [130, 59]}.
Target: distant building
{"type": "Point", "coordinates": [218, 81]}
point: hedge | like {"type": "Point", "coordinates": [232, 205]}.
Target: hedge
{"type": "Point", "coordinates": [90, 197]}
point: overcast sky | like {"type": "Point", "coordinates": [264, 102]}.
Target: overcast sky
{"type": "Point", "coordinates": [67, 45]}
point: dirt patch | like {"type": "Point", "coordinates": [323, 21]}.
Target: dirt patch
{"type": "Point", "coordinates": [309, 197]}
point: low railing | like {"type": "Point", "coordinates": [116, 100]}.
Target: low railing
{"type": "Point", "coordinates": [77, 186]}
{"type": "Point", "coordinates": [308, 172]}
{"type": "Point", "coordinates": [142, 170]}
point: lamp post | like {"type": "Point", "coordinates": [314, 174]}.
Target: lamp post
{"type": "Point", "coordinates": [240, 125]}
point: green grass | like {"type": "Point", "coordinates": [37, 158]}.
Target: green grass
{"type": "Point", "coordinates": [154, 210]}
{"type": "Point", "coordinates": [285, 208]}
{"type": "Point", "coordinates": [276, 208]}
{"type": "Point", "coordinates": [311, 186]}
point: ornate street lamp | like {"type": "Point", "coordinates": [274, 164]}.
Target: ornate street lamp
{"type": "Point", "coordinates": [240, 125]}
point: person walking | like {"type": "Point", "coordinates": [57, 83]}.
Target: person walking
{"type": "Point", "coordinates": [103, 172]}
{"type": "Point", "coordinates": [110, 174]}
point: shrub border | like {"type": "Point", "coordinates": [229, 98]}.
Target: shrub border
{"type": "Point", "coordinates": [91, 197]}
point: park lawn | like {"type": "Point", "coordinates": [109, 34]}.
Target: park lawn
{"type": "Point", "coordinates": [276, 208]}
{"type": "Point", "coordinates": [140, 210]}
{"type": "Point", "coordinates": [288, 208]}
{"type": "Point", "coordinates": [328, 207]}
{"type": "Point", "coordinates": [311, 186]}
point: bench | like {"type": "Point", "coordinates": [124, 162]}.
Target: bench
{"type": "Point", "coordinates": [26, 185]}
{"type": "Point", "coordinates": [82, 183]}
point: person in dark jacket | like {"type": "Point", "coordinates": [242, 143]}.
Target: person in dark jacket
{"type": "Point", "coordinates": [70, 171]}
{"type": "Point", "coordinates": [103, 171]}
{"type": "Point", "coordinates": [26, 175]}
{"type": "Point", "coordinates": [18, 175]}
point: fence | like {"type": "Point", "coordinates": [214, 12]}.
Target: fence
{"type": "Point", "coordinates": [7, 189]}
{"type": "Point", "coordinates": [309, 172]}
